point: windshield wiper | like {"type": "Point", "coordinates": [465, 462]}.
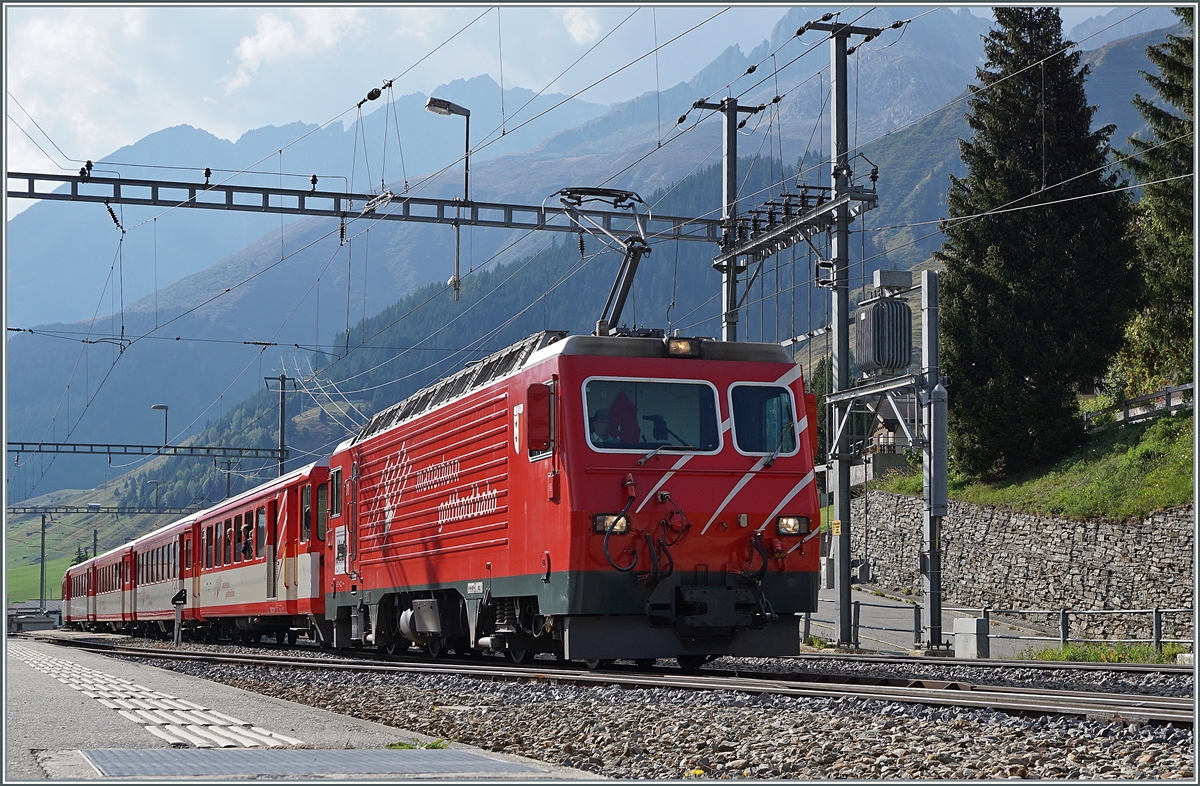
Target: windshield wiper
{"type": "Point", "coordinates": [664, 446]}
{"type": "Point", "coordinates": [778, 444]}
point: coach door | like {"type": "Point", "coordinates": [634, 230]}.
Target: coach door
{"type": "Point", "coordinates": [268, 518]}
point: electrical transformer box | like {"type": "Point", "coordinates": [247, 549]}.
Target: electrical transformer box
{"type": "Point", "coordinates": [883, 336]}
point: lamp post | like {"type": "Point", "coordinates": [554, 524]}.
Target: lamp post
{"type": "Point", "coordinates": [163, 407]}
{"type": "Point", "coordinates": [440, 106]}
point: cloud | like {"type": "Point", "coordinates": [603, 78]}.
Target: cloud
{"type": "Point", "coordinates": [582, 25]}
{"type": "Point", "coordinates": [276, 37]}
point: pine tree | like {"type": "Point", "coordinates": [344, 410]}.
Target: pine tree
{"type": "Point", "coordinates": [80, 555]}
{"type": "Point", "coordinates": [1039, 279]}
{"type": "Point", "coordinates": [1159, 343]}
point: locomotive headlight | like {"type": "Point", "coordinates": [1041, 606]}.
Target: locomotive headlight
{"type": "Point", "coordinates": [603, 522]}
{"type": "Point", "coordinates": [683, 347]}
{"type": "Point", "coordinates": [792, 525]}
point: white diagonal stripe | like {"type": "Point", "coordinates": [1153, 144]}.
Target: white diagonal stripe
{"type": "Point", "coordinates": [667, 476]}
{"type": "Point", "coordinates": [786, 499]}
{"type": "Point", "coordinates": [740, 484]}
{"type": "Point", "coordinates": [806, 539]}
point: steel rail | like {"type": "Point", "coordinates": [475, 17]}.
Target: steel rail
{"type": "Point", "coordinates": [1138, 707]}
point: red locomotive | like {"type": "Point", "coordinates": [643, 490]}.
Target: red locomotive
{"type": "Point", "coordinates": [598, 497]}
{"type": "Point", "coordinates": [618, 495]}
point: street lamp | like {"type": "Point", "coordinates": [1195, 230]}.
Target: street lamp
{"type": "Point", "coordinates": [440, 106]}
{"type": "Point", "coordinates": [163, 407]}
{"type": "Point", "coordinates": [155, 482]}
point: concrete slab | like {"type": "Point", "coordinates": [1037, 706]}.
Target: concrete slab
{"type": "Point", "coordinates": [56, 732]}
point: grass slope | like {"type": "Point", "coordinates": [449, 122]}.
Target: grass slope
{"type": "Point", "coordinates": [1119, 474]}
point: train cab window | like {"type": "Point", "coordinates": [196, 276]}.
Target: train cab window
{"type": "Point", "coordinates": [260, 533]}
{"type": "Point", "coordinates": [335, 492]}
{"type": "Point", "coordinates": [208, 546]}
{"type": "Point", "coordinates": [626, 414]}
{"type": "Point", "coordinates": [322, 510]}
{"type": "Point", "coordinates": [305, 513]}
{"type": "Point", "coordinates": [763, 419]}
{"type": "Point", "coordinates": [238, 548]}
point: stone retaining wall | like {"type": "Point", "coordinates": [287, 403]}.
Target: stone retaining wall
{"type": "Point", "coordinates": [1000, 559]}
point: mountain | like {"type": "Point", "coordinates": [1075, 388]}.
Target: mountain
{"type": "Point", "coordinates": [199, 365]}
{"type": "Point", "coordinates": [1100, 30]}
{"type": "Point", "coordinates": [75, 245]}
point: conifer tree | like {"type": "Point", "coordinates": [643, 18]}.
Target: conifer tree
{"type": "Point", "coordinates": [1159, 343]}
{"type": "Point", "coordinates": [1039, 279]}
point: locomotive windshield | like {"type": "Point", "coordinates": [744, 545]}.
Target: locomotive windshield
{"type": "Point", "coordinates": [625, 414]}
{"type": "Point", "coordinates": [762, 419]}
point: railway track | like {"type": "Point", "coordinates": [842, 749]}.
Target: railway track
{"type": "Point", "coordinates": [1088, 704]}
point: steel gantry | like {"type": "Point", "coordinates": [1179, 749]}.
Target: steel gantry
{"type": "Point", "coordinates": [332, 204]}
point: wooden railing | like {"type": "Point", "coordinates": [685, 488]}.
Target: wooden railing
{"type": "Point", "coordinates": [1135, 410]}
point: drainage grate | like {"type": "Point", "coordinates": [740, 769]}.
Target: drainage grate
{"type": "Point", "coordinates": [242, 762]}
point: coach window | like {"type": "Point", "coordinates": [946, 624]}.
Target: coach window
{"type": "Point", "coordinates": [208, 546]}
{"type": "Point", "coordinates": [335, 492]}
{"type": "Point", "coordinates": [260, 532]}
{"type": "Point", "coordinates": [322, 510]}
{"type": "Point", "coordinates": [305, 513]}
{"type": "Point", "coordinates": [248, 536]}
{"type": "Point", "coordinates": [238, 546]}
{"type": "Point", "coordinates": [228, 541]}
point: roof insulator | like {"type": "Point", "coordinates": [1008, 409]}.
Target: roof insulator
{"type": "Point", "coordinates": [751, 69]}
{"type": "Point", "coordinates": [680, 120]}
{"type": "Point", "coordinates": [826, 17]}
{"type": "Point", "coordinates": [375, 93]}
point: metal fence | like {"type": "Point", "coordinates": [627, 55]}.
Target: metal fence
{"type": "Point", "coordinates": [1064, 625]}
{"type": "Point", "coordinates": [1135, 410]}
{"type": "Point", "coordinates": [1063, 618]}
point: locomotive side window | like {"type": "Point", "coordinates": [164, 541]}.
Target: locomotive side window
{"type": "Point", "coordinates": [305, 513]}
{"type": "Point", "coordinates": [539, 420]}
{"type": "Point", "coordinates": [626, 414]}
{"type": "Point", "coordinates": [322, 510]}
{"type": "Point", "coordinates": [335, 492]}
{"type": "Point", "coordinates": [763, 419]}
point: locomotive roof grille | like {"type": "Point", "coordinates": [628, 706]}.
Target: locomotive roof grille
{"type": "Point", "coordinates": [474, 376]}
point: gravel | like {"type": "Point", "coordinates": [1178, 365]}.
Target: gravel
{"type": "Point", "coordinates": [668, 734]}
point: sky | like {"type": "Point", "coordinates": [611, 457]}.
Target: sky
{"type": "Point", "coordinates": [83, 81]}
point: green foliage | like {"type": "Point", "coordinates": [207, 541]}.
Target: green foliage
{"type": "Point", "coordinates": [433, 745]}
{"type": "Point", "coordinates": [24, 582]}
{"type": "Point", "coordinates": [1159, 344]}
{"type": "Point", "coordinates": [1103, 652]}
{"type": "Point", "coordinates": [1033, 300]}
{"type": "Point", "coordinates": [1121, 473]}
{"type": "Point", "coordinates": [80, 555]}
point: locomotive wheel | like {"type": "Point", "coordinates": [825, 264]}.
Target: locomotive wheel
{"type": "Point", "coordinates": [434, 649]}
{"type": "Point", "coordinates": [520, 657]}
{"type": "Point", "coordinates": [594, 664]}
{"type": "Point", "coordinates": [691, 662]}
